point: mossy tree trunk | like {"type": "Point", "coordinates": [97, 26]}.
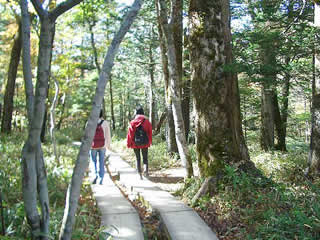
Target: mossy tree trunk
{"type": "Point", "coordinates": [314, 153]}
{"type": "Point", "coordinates": [219, 138]}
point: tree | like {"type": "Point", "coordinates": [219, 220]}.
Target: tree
{"type": "Point", "coordinates": [171, 136]}
{"type": "Point", "coordinates": [82, 159]}
{"type": "Point", "coordinates": [314, 152]}
{"type": "Point", "coordinates": [175, 81]}
{"type": "Point", "coordinates": [10, 86]}
{"type": "Point", "coordinates": [219, 138]}
{"type": "Point", "coordinates": [34, 178]}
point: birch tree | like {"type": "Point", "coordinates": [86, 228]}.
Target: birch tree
{"type": "Point", "coordinates": [73, 193]}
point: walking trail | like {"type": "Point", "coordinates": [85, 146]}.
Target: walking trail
{"type": "Point", "coordinates": [120, 218]}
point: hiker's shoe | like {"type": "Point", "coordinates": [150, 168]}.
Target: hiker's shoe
{"type": "Point", "coordinates": [95, 180]}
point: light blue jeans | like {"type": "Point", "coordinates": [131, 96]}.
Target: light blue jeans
{"type": "Point", "coordinates": [101, 153]}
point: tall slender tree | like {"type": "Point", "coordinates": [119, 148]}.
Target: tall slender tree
{"type": "Point", "coordinates": [170, 136]}
{"type": "Point", "coordinates": [82, 159]}
{"type": "Point", "coordinates": [34, 176]}
{"type": "Point", "coordinates": [314, 153]}
{"type": "Point", "coordinates": [175, 81]}
{"type": "Point", "coordinates": [11, 81]}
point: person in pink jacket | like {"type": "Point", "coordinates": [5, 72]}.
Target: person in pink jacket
{"type": "Point", "coordinates": [101, 142]}
{"type": "Point", "coordinates": [142, 144]}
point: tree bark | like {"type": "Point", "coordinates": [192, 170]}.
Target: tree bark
{"type": "Point", "coordinates": [26, 60]}
{"type": "Point", "coordinates": [152, 104]}
{"type": "Point", "coordinates": [314, 153]}
{"type": "Point", "coordinates": [53, 120]}
{"type": "Point", "coordinates": [11, 82]}
{"type": "Point", "coordinates": [278, 121]}
{"type": "Point", "coordinates": [170, 135]}
{"type": "Point", "coordinates": [82, 159]}
{"type": "Point", "coordinates": [219, 138]}
{"type": "Point", "coordinates": [175, 91]}
{"type": "Point", "coordinates": [34, 177]}
{"type": "Point", "coordinates": [267, 119]}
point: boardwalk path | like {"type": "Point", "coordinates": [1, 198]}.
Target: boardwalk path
{"type": "Point", "coordinates": [181, 222]}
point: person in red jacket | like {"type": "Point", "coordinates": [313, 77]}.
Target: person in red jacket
{"type": "Point", "coordinates": [140, 120]}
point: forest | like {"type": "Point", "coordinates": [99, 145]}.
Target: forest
{"type": "Point", "coordinates": [231, 88]}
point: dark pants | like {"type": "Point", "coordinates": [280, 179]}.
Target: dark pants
{"type": "Point", "coordinates": [144, 156]}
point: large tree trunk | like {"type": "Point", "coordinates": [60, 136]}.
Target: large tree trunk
{"type": "Point", "coordinates": [175, 90]}
{"type": "Point", "coordinates": [11, 82]}
{"type": "Point", "coordinates": [170, 136]}
{"type": "Point", "coordinates": [219, 138]}
{"type": "Point", "coordinates": [314, 153]}
{"type": "Point", "coordinates": [82, 159]}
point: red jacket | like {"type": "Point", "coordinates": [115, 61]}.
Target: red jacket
{"type": "Point", "coordinates": [132, 129]}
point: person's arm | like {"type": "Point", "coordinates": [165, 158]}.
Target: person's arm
{"type": "Point", "coordinates": [130, 137]}
{"type": "Point", "coordinates": [107, 135]}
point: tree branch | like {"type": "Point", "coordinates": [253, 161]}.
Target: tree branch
{"type": "Point", "coordinates": [38, 7]}
{"type": "Point", "coordinates": [63, 7]}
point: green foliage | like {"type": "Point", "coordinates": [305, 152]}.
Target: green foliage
{"type": "Point", "coordinates": [280, 204]}
{"type": "Point", "coordinates": [58, 176]}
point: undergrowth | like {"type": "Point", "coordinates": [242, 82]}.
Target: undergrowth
{"type": "Point", "coordinates": [281, 204]}
{"type": "Point", "coordinates": [15, 224]}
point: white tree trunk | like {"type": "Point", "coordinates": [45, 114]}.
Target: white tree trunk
{"type": "Point", "coordinates": [34, 177]}
{"type": "Point", "coordinates": [82, 159]}
{"type": "Point", "coordinates": [175, 91]}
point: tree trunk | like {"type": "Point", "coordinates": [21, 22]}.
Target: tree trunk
{"type": "Point", "coordinates": [170, 136]}
{"type": "Point", "coordinates": [34, 177]}
{"type": "Point", "coordinates": [82, 159]}
{"type": "Point", "coordinates": [53, 120]}
{"type": "Point", "coordinates": [218, 124]}
{"type": "Point", "coordinates": [175, 80]}
{"type": "Point", "coordinates": [186, 97]}
{"type": "Point", "coordinates": [278, 121]}
{"type": "Point", "coordinates": [267, 119]}
{"type": "Point", "coordinates": [32, 158]}
{"type": "Point", "coordinates": [314, 153]}
{"type": "Point", "coordinates": [26, 60]}
{"type": "Point", "coordinates": [151, 97]}
{"type": "Point", "coordinates": [111, 105]}
{"type": "Point", "coordinates": [11, 82]}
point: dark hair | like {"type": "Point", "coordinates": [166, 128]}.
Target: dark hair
{"type": "Point", "coordinates": [139, 110]}
{"type": "Point", "coordinates": [101, 114]}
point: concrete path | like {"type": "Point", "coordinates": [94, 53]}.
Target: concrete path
{"type": "Point", "coordinates": [181, 221]}
{"type": "Point", "coordinates": [119, 218]}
